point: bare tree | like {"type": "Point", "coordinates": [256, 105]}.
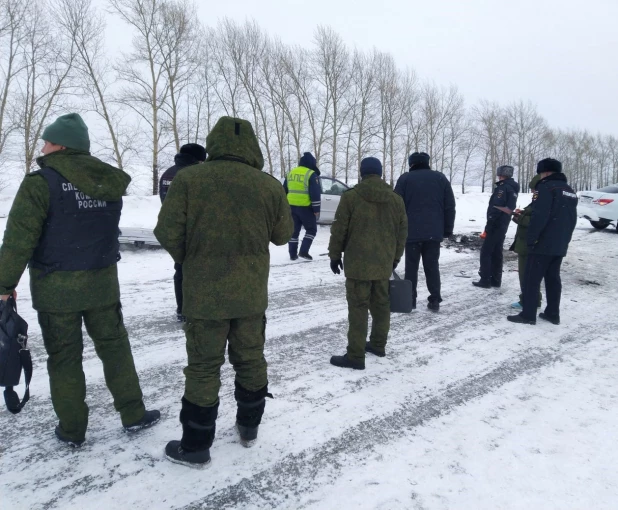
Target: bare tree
{"type": "Point", "coordinates": [333, 72]}
{"type": "Point", "coordinates": [86, 27]}
{"type": "Point", "coordinates": [12, 18]}
{"type": "Point", "coordinates": [47, 58]}
{"type": "Point", "coordinates": [143, 70]}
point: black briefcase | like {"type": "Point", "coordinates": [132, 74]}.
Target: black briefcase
{"type": "Point", "coordinates": [400, 291]}
{"type": "Point", "coordinates": [14, 354]}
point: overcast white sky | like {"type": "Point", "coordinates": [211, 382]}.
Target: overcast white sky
{"type": "Point", "coordinates": [560, 54]}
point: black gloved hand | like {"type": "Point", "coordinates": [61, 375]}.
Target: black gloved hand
{"type": "Point", "coordinates": [335, 266]}
{"type": "Point", "coordinates": [395, 264]}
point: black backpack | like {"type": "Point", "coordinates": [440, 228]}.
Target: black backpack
{"type": "Point", "coordinates": [14, 354]}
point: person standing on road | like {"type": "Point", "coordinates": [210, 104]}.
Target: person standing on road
{"type": "Point", "coordinates": [553, 220]}
{"type": "Point", "coordinates": [504, 195]}
{"type": "Point", "coordinates": [190, 154]}
{"type": "Point", "coordinates": [64, 225]}
{"type": "Point", "coordinates": [302, 186]}
{"type": "Point", "coordinates": [522, 219]}
{"type": "Point", "coordinates": [430, 206]}
{"type": "Point", "coordinates": [218, 220]}
{"type": "Point", "coordinates": [370, 228]}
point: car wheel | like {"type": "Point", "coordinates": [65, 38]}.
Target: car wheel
{"type": "Point", "coordinates": [600, 225]}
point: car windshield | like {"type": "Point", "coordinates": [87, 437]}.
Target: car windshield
{"type": "Point", "coordinates": [610, 189]}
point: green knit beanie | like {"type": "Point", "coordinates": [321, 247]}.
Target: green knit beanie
{"type": "Point", "coordinates": [70, 131]}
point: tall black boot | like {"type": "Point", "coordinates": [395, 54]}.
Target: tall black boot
{"type": "Point", "coordinates": [198, 434]}
{"type": "Point", "coordinates": [251, 406]}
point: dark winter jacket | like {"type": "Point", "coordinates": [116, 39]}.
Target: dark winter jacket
{"type": "Point", "coordinates": [430, 204]}
{"type": "Point", "coordinates": [218, 220]}
{"type": "Point", "coordinates": [370, 229]}
{"type": "Point", "coordinates": [181, 161]}
{"type": "Point", "coordinates": [60, 291]}
{"type": "Point", "coordinates": [504, 195]}
{"type": "Point", "coordinates": [554, 216]}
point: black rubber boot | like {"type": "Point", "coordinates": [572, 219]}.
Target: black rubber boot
{"type": "Point", "coordinates": [483, 284]}
{"type": "Point", "coordinates": [554, 320]}
{"type": "Point", "coordinates": [370, 348]}
{"type": "Point", "coordinates": [345, 362]}
{"type": "Point", "coordinates": [198, 434]}
{"type": "Point", "coordinates": [149, 419]}
{"type": "Point", "coordinates": [519, 319]}
{"type": "Point", "coordinates": [69, 442]}
{"type": "Point", "coordinates": [251, 405]}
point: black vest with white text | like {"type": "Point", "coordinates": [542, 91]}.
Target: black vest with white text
{"type": "Point", "coordinates": [80, 232]}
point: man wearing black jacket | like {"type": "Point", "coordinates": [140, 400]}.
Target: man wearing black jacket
{"type": "Point", "coordinates": [190, 154]}
{"type": "Point", "coordinates": [430, 206]}
{"type": "Point", "coordinates": [554, 216]}
{"type": "Point", "coordinates": [504, 195]}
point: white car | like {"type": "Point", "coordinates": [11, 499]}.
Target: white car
{"type": "Point", "coordinates": [599, 207]}
{"type": "Point", "coordinates": [332, 189]}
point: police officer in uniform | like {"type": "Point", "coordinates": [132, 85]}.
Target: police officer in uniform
{"type": "Point", "coordinates": [504, 195]}
{"type": "Point", "coordinates": [64, 225]}
{"type": "Point", "coordinates": [370, 230]}
{"type": "Point", "coordinates": [302, 186]}
{"type": "Point", "coordinates": [554, 216]}
{"type": "Point", "coordinates": [190, 154]}
{"type": "Point", "coordinates": [218, 220]}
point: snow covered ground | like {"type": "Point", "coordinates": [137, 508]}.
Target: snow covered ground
{"type": "Point", "coordinates": [467, 411]}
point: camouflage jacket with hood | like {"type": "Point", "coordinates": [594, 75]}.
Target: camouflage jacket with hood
{"type": "Point", "coordinates": [370, 229]}
{"type": "Point", "coordinates": [60, 291]}
{"type": "Point", "coordinates": [218, 219]}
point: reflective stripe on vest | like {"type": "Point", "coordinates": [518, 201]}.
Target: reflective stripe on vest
{"type": "Point", "coordinates": [298, 186]}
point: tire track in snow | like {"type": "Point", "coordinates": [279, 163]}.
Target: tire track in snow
{"type": "Point", "coordinates": [296, 475]}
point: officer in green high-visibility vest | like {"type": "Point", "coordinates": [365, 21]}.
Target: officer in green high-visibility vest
{"type": "Point", "coordinates": [302, 186]}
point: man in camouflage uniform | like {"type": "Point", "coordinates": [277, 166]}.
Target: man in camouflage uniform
{"type": "Point", "coordinates": [370, 228]}
{"type": "Point", "coordinates": [217, 221]}
{"type": "Point", "coordinates": [522, 219]}
{"type": "Point", "coordinates": [64, 224]}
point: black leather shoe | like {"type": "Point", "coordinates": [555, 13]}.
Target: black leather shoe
{"type": "Point", "coordinates": [345, 362]}
{"type": "Point", "coordinates": [69, 442]}
{"type": "Point", "coordinates": [369, 348]}
{"type": "Point", "coordinates": [149, 419]}
{"type": "Point", "coordinates": [305, 256]}
{"type": "Point", "coordinates": [518, 319]}
{"type": "Point", "coordinates": [293, 257]}
{"type": "Point", "coordinates": [482, 284]}
{"type": "Point", "coordinates": [549, 318]}
{"type": "Point", "coordinates": [197, 460]}
{"type": "Point", "coordinates": [434, 306]}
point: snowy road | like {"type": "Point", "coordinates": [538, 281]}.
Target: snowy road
{"type": "Point", "coordinates": [467, 411]}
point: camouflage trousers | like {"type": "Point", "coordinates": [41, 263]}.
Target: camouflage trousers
{"type": "Point", "coordinates": [206, 343]}
{"type": "Point", "coordinates": [64, 343]}
{"type": "Point", "coordinates": [366, 296]}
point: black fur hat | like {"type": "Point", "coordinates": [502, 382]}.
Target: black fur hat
{"type": "Point", "coordinates": [548, 165]}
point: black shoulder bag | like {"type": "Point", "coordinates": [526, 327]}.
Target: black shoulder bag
{"type": "Point", "coordinates": [14, 355]}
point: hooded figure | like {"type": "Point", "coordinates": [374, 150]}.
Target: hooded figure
{"type": "Point", "coordinates": [367, 241]}
{"type": "Point", "coordinates": [64, 225]}
{"type": "Point", "coordinates": [304, 191]}
{"type": "Point", "coordinates": [218, 221]}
